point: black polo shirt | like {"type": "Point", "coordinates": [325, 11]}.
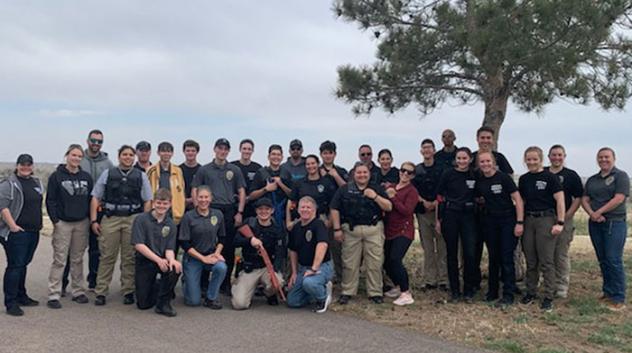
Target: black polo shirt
{"type": "Point", "coordinates": [537, 191]}
{"type": "Point", "coordinates": [601, 189]}
{"type": "Point", "coordinates": [457, 186]}
{"type": "Point", "coordinates": [571, 184]}
{"type": "Point", "coordinates": [322, 190]}
{"type": "Point", "coordinates": [426, 181]}
{"type": "Point", "coordinates": [304, 238]}
{"type": "Point", "coordinates": [224, 180]}
{"type": "Point", "coordinates": [496, 191]}
{"type": "Point", "coordinates": [502, 163]}
{"type": "Point", "coordinates": [341, 171]}
{"type": "Point", "coordinates": [200, 232]}
{"type": "Point", "coordinates": [159, 237]}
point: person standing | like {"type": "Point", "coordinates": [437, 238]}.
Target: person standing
{"type": "Point", "coordinates": [605, 202]}
{"type": "Point", "coordinates": [313, 184]}
{"type": "Point", "coordinates": [544, 221]}
{"type": "Point", "coordinates": [68, 207]}
{"type": "Point", "coordinates": [399, 229]}
{"type": "Point", "coordinates": [356, 214]}
{"type": "Point", "coordinates": [503, 222]}
{"type": "Point", "coordinates": [249, 169]}
{"type": "Point", "coordinates": [94, 162]}
{"type": "Point", "coordinates": [329, 168]}
{"type": "Point", "coordinates": [270, 183]}
{"type": "Point", "coordinates": [294, 168]}
{"type": "Point", "coordinates": [456, 222]}
{"type": "Point", "coordinates": [166, 175]}
{"type": "Point", "coordinates": [445, 156]}
{"type": "Point", "coordinates": [124, 192]}
{"type": "Point", "coordinates": [573, 192]}
{"type": "Point", "coordinates": [386, 174]}
{"type": "Point", "coordinates": [21, 197]}
{"type": "Point", "coordinates": [427, 175]}
{"type": "Point", "coordinates": [189, 167]}
{"type": "Point", "coordinates": [229, 197]}
{"type": "Point", "coordinates": [143, 154]}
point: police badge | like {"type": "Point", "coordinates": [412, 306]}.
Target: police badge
{"type": "Point", "coordinates": [609, 180]}
{"type": "Point", "coordinates": [213, 220]}
{"type": "Point", "coordinates": [308, 236]}
{"type": "Point", "coordinates": [320, 188]}
{"type": "Point", "coordinates": [165, 231]}
{"type": "Point", "coordinates": [229, 175]}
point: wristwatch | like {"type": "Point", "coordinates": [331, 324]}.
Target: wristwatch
{"type": "Point", "coordinates": [560, 223]}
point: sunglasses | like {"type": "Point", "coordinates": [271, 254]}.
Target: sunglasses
{"type": "Point", "coordinates": [96, 141]}
{"type": "Point", "coordinates": [407, 171]}
{"type": "Point", "coordinates": [366, 154]}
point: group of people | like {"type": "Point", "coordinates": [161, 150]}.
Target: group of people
{"type": "Point", "coordinates": [306, 223]}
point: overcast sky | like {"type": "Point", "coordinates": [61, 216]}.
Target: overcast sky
{"type": "Point", "coordinates": [164, 70]}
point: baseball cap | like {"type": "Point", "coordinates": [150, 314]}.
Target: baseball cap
{"type": "Point", "coordinates": [264, 201]}
{"type": "Point", "coordinates": [143, 146]}
{"type": "Point", "coordinates": [25, 159]}
{"type": "Point", "coordinates": [222, 142]}
{"type": "Point", "coordinates": [296, 143]}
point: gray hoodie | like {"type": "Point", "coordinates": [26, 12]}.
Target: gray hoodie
{"type": "Point", "coordinates": [11, 197]}
{"type": "Point", "coordinates": [95, 165]}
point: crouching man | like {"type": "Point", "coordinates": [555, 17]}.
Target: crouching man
{"type": "Point", "coordinates": [268, 233]}
{"type": "Point", "coordinates": [312, 269]}
{"type": "Point", "coordinates": [154, 239]}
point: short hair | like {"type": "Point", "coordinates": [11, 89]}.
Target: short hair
{"type": "Point", "coordinates": [205, 188]}
{"type": "Point", "coordinates": [124, 148]}
{"type": "Point", "coordinates": [165, 147]}
{"type": "Point", "coordinates": [328, 146]}
{"type": "Point", "coordinates": [478, 156]}
{"type": "Point", "coordinates": [383, 151]}
{"type": "Point", "coordinates": [360, 165]}
{"type": "Point", "coordinates": [95, 131]}
{"type": "Point", "coordinates": [191, 143]}
{"type": "Point", "coordinates": [364, 145]}
{"type": "Point", "coordinates": [425, 141]}
{"type": "Point", "coordinates": [315, 157]}
{"type": "Point", "coordinates": [72, 147]}
{"type": "Point", "coordinates": [251, 142]}
{"type": "Point", "coordinates": [464, 149]}
{"type": "Point", "coordinates": [310, 200]}
{"type": "Point", "coordinates": [162, 194]}
{"type": "Point", "coordinates": [602, 149]}
{"type": "Point", "coordinates": [556, 146]}
{"type": "Point", "coordinates": [535, 149]}
{"type": "Point", "coordinates": [484, 129]}
{"type": "Point", "coordinates": [275, 147]}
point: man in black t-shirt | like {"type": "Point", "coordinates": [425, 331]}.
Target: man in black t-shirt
{"type": "Point", "coordinates": [269, 182]}
{"type": "Point", "coordinates": [312, 269]}
{"type": "Point", "coordinates": [249, 169]}
{"type": "Point", "coordinates": [445, 156]}
{"type": "Point", "coordinates": [190, 149]}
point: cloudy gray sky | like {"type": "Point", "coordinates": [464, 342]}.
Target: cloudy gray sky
{"type": "Point", "coordinates": [163, 70]}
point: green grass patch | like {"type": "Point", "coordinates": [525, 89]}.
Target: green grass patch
{"type": "Point", "coordinates": [553, 350]}
{"type": "Point", "coordinates": [507, 346]}
{"type": "Point", "coordinates": [521, 318]}
{"type": "Point", "coordinates": [587, 306]}
{"type": "Point", "coordinates": [617, 336]}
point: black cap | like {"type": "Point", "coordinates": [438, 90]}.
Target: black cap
{"type": "Point", "coordinates": [328, 146]}
{"type": "Point", "coordinates": [25, 159]}
{"type": "Point", "coordinates": [143, 146]}
{"type": "Point", "coordinates": [264, 201]}
{"type": "Point", "coordinates": [222, 142]}
{"type": "Point", "coordinates": [296, 143]}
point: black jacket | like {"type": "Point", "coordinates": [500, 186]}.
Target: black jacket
{"type": "Point", "coordinates": [68, 196]}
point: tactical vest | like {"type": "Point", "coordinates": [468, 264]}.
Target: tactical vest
{"type": "Point", "coordinates": [272, 240]}
{"type": "Point", "coordinates": [123, 192]}
{"type": "Point", "coordinates": [358, 209]}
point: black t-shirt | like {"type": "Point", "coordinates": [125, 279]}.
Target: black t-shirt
{"type": "Point", "coordinates": [426, 181]}
{"type": "Point", "coordinates": [445, 159]}
{"type": "Point", "coordinates": [260, 181]}
{"type": "Point", "coordinates": [304, 238]}
{"type": "Point", "coordinates": [30, 218]}
{"type": "Point", "coordinates": [322, 190]}
{"type": "Point", "coordinates": [354, 207]}
{"type": "Point", "coordinates": [249, 171]}
{"type": "Point", "coordinates": [392, 176]}
{"type": "Point", "coordinates": [457, 187]}
{"type": "Point", "coordinates": [344, 174]}
{"type": "Point", "coordinates": [272, 236]}
{"type": "Point", "coordinates": [571, 184]}
{"type": "Point", "coordinates": [537, 190]}
{"type": "Point", "coordinates": [502, 163]}
{"type": "Point", "coordinates": [496, 190]}
{"type": "Point", "coordinates": [187, 174]}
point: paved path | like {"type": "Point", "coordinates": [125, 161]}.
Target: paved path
{"type": "Point", "coordinates": [118, 328]}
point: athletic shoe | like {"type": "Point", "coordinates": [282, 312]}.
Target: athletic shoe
{"type": "Point", "coordinates": [128, 299]}
{"type": "Point", "coordinates": [321, 307]}
{"type": "Point", "coordinates": [165, 309]}
{"type": "Point", "coordinates": [377, 299]}
{"type": "Point", "coordinates": [80, 299]}
{"type": "Point", "coordinates": [99, 300]}
{"type": "Point", "coordinates": [344, 299]}
{"type": "Point", "coordinates": [612, 306]}
{"type": "Point", "coordinates": [547, 305]}
{"type": "Point", "coordinates": [528, 299]}
{"type": "Point", "coordinates": [53, 304]}
{"type": "Point", "coordinates": [404, 299]}
{"type": "Point", "coordinates": [213, 304]}
{"type": "Point", "coordinates": [27, 301]}
{"type": "Point", "coordinates": [14, 310]}
{"type": "Point", "coordinates": [393, 293]}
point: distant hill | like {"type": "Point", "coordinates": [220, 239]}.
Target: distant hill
{"type": "Point", "coordinates": [42, 170]}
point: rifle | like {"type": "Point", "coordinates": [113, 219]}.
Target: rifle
{"type": "Point", "coordinates": [247, 232]}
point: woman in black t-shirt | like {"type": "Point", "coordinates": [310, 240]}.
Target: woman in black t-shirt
{"type": "Point", "coordinates": [20, 224]}
{"type": "Point", "coordinates": [386, 173]}
{"type": "Point", "coordinates": [544, 220]}
{"type": "Point", "coordinates": [502, 224]}
{"type": "Point", "coordinates": [315, 185]}
{"type": "Point", "coordinates": [455, 221]}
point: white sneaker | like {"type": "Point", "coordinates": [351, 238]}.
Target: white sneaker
{"type": "Point", "coordinates": [404, 299]}
{"type": "Point", "coordinates": [393, 293]}
{"type": "Point", "coordinates": [323, 307]}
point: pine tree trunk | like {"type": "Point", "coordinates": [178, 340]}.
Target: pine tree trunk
{"type": "Point", "coordinates": [495, 111]}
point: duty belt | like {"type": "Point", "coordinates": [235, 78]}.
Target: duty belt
{"type": "Point", "coordinates": [538, 214]}
{"type": "Point", "coordinates": [120, 210]}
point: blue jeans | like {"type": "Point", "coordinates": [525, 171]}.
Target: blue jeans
{"type": "Point", "coordinates": [19, 248]}
{"type": "Point", "coordinates": [608, 239]}
{"type": "Point", "coordinates": [192, 275]}
{"type": "Point", "coordinates": [312, 288]}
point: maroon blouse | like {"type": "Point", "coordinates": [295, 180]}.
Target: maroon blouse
{"type": "Point", "coordinates": [400, 221]}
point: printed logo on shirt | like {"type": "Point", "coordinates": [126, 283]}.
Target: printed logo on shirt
{"type": "Point", "coordinates": [229, 175]}
{"type": "Point", "coordinates": [214, 220]}
{"type": "Point", "coordinates": [561, 177]}
{"type": "Point", "coordinates": [320, 188]}
{"type": "Point", "coordinates": [609, 180]}
{"type": "Point", "coordinates": [308, 236]}
{"type": "Point", "coordinates": [165, 231]}
{"type": "Point", "coordinates": [540, 185]}
{"type": "Point", "coordinates": [497, 188]}
{"type": "Point", "coordinates": [75, 187]}
{"type": "Point", "coordinates": [251, 176]}
{"type": "Point", "coordinates": [470, 183]}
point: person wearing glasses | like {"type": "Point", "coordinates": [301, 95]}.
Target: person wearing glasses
{"type": "Point", "coordinates": [294, 168]}
{"type": "Point", "coordinates": [399, 231]}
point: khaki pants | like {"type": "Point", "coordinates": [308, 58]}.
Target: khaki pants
{"type": "Point", "coordinates": [70, 240]}
{"type": "Point", "coordinates": [244, 288]}
{"type": "Point", "coordinates": [363, 243]}
{"type": "Point", "coordinates": [435, 269]}
{"type": "Point", "coordinates": [539, 249]}
{"type": "Point", "coordinates": [116, 235]}
{"type": "Point", "coordinates": [562, 260]}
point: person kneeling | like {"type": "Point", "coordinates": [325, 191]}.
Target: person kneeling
{"type": "Point", "coordinates": [154, 238]}
{"type": "Point", "coordinates": [270, 235]}
{"type": "Point", "coordinates": [312, 269]}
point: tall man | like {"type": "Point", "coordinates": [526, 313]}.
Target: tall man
{"type": "Point", "coordinates": [189, 167]}
{"type": "Point", "coordinates": [229, 196]}
{"type": "Point", "coordinates": [445, 156]}
{"type": "Point", "coordinates": [294, 167]}
{"type": "Point", "coordinates": [427, 174]}
{"type": "Point", "coordinates": [94, 162]}
{"type": "Point", "coordinates": [248, 168]}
